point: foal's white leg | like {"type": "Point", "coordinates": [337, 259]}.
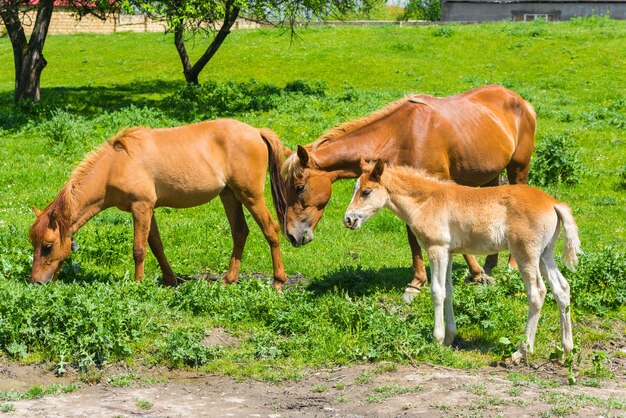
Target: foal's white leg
{"type": "Point", "coordinates": [448, 308]}
{"type": "Point", "coordinates": [535, 293]}
{"type": "Point", "coordinates": [560, 291]}
{"type": "Point", "coordinates": [438, 259]}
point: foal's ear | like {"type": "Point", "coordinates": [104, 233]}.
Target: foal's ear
{"type": "Point", "coordinates": [36, 211]}
{"type": "Point", "coordinates": [378, 170]}
{"type": "Point", "coordinates": [303, 155]}
{"type": "Point", "coordinates": [287, 151]}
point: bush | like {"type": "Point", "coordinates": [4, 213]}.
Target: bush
{"type": "Point", "coordinates": [185, 347]}
{"type": "Point", "coordinates": [598, 285]}
{"type": "Point", "coordinates": [309, 88]}
{"type": "Point", "coordinates": [556, 161]}
{"type": "Point", "coordinates": [212, 100]}
{"type": "Point", "coordinates": [66, 132]}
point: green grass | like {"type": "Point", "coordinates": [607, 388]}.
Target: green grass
{"type": "Point", "coordinates": [348, 308]}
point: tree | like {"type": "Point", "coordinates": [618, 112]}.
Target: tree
{"type": "Point", "coordinates": [189, 17]}
{"type": "Point", "coordinates": [28, 57]}
{"type": "Point", "coordinates": [422, 10]}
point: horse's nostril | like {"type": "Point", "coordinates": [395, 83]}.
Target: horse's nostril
{"type": "Point", "coordinates": [291, 238]}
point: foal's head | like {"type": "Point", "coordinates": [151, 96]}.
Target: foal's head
{"type": "Point", "coordinates": [51, 243]}
{"type": "Point", "coordinates": [369, 195]}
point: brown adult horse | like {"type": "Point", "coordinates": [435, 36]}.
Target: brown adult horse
{"type": "Point", "coordinates": [141, 169]}
{"type": "Point", "coordinates": [469, 138]}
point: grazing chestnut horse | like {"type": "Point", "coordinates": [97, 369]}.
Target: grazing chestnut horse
{"type": "Point", "coordinates": [447, 218]}
{"type": "Point", "coordinates": [469, 138]}
{"type": "Point", "coordinates": [141, 169]}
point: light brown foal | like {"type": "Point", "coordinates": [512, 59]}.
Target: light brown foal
{"type": "Point", "coordinates": [447, 218]}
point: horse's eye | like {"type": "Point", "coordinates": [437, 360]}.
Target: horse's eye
{"type": "Point", "coordinates": [45, 249]}
{"type": "Point", "coordinates": [299, 188]}
{"type": "Point", "coordinates": [366, 192]}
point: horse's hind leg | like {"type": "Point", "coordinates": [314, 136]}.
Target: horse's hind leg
{"type": "Point", "coordinates": [238, 229]}
{"type": "Point", "coordinates": [258, 209]}
{"type": "Point", "coordinates": [156, 245]}
{"type": "Point", "coordinates": [535, 293]}
{"type": "Point", "coordinates": [560, 291]}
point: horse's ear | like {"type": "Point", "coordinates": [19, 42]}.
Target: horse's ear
{"type": "Point", "coordinates": [36, 211]}
{"type": "Point", "coordinates": [303, 155]}
{"type": "Point", "coordinates": [287, 151]}
{"type": "Point", "coordinates": [362, 164]}
{"type": "Point", "coordinates": [53, 216]}
{"type": "Point", "coordinates": [378, 170]}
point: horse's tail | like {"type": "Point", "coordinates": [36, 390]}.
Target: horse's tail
{"type": "Point", "coordinates": [276, 156]}
{"type": "Point", "coordinates": [571, 241]}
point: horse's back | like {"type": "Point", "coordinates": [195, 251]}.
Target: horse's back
{"type": "Point", "coordinates": [472, 136]}
{"type": "Point", "coordinates": [189, 165]}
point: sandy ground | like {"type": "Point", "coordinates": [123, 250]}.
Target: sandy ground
{"type": "Point", "coordinates": [356, 391]}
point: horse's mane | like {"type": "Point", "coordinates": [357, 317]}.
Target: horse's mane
{"type": "Point", "coordinates": [62, 203]}
{"type": "Point", "coordinates": [292, 167]}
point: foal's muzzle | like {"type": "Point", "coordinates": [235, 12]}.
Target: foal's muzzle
{"type": "Point", "coordinates": [352, 220]}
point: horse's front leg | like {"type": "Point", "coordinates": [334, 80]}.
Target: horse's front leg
{"type": "Point", "coordinates": [142, 217]}
{"type": "Point", "coordinates": [419, 270]}
{"type": "Point", "coordinates": [270, 230]}
{"type": "Point", "coordinates": [438, 258]}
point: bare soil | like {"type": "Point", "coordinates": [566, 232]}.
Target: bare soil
{"type": "Point", "coordinates": [357, 391]}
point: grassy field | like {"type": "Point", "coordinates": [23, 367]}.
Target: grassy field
{"type": "Point", "coordinates": [344, 305]}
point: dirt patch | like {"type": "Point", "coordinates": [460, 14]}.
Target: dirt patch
{"type": "Point", "coordinates": [358, 391]}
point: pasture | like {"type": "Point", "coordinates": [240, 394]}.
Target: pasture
{"type": "Point", "coordinates": [342, 303]}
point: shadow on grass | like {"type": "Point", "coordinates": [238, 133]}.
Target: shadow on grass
{"type": "Point", "coordinates": [358, 281]}
{"type": "Point", "coordinates": [87, 101]}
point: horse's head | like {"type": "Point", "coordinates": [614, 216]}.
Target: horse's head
{"type": "Point", "coordinates": [51, 242]}
{"type": "Point", "coordinates": [308, 192]}
{"type": "Point", "coordinates": [369, 195]}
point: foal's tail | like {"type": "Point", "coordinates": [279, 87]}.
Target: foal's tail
{"type": "Point", "coordinates": [572, 242]}
{"type": "Point", "coordinates": [276, 152]}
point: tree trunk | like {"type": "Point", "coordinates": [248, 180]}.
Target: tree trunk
{"type": "Point", "coordinates": [192, 72]}
{"type": "Point", "coordinates": [27, 55]}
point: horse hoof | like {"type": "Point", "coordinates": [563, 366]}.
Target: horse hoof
{"type": "Point", "coordinates": [482, 278]}
{"type": "Point", "coordinates": [517, 357]}
{"type": "Point", "coordinates": [409, 294]}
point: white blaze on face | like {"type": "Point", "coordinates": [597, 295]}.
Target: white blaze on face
{"type": "Point", "coordinates": [357, 186]}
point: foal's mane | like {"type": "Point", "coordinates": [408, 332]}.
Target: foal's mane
{"type": "Point", "coordinates": [292, 167]}
{"type": "Point", "coordinates": [61, 206]}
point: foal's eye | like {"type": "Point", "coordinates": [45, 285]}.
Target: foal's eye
{"type": "Point", "coordinates": [366, 192]}
{"type": "Point", "coordinates": [299, 188]}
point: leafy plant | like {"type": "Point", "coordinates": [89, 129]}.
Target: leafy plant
{"type": "Point", "coordinates": [556, 161]}
{"type": "Point", "coordinates": [185, 347]}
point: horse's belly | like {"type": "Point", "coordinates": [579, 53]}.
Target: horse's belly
{"type": "Point", "coordinates": [187, 195]}
{"type": "Point", "coordinates": [489, 241]}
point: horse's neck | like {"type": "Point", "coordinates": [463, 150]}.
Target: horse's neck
{"type": "Point", "coordinates": [342, 155]}
{"type": "Point", "coordinates": [407, 193]}
{"type": "Point", "coordinates": [87, 196]}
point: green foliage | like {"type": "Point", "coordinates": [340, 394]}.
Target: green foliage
{"type": "Point", "coordinates": [443, 31]}
{"type": "Point", "coordinates": [185, 347]}
{"type": "Point", "coordinates": [556, 161]}
{"type": "Point", "coordinates": [37, 392]}
{"type": "Point", "coordinates": [421, 10]}
{"type": "Point", "coordinates": [212, 100]}
{"type": "Point", "coordinates": [598, 285]}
